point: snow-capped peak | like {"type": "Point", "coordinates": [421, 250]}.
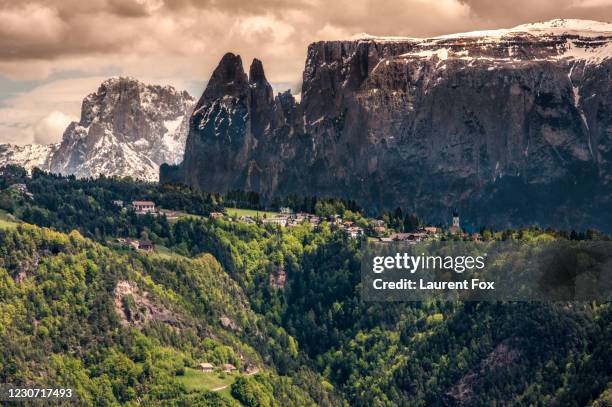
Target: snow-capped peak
{"type": "Point", "coordinates": [582, 28]}
{"type": "Point", "coordinates": [559, 39]}
{"type": "Point", "coordinates": [127, 128]}
{"type": "Point", "coordinates": [567, 25]}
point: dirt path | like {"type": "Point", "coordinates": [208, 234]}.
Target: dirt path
{"type": "Point", "coordinates": [253, 372]}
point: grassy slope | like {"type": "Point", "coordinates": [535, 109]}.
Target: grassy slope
{"type": "Point", "coordinates": [194, 379]}
{"type": "Point", "coordinates": [182, 214]}
{"type": "Point", "coordinates": [249, 212]}
{"type": "Point", "coordinates": [164, 252]}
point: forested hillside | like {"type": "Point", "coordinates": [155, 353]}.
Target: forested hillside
{"type": "Point", "coordinates": [124, 326]}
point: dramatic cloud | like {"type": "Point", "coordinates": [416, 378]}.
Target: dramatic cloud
{"type": "Point", "coordinates": [50, 128]}
{"type": "Point", "coordinates": [521, 11]}
{"type": "Point", "coordinates": [40, 115]}
{"type": "Point", "coordinates": [181, 41]}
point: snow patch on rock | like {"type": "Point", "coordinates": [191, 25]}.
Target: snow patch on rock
{"type": "Point", "coordinates": [29, 156]}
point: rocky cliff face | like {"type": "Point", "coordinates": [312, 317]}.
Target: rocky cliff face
{"type": "Point", "coordinates": [509, 126]}
{"type": "Point", "coordinates": [126, 128]}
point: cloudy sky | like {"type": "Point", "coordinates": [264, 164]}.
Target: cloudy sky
{"type": "Point", "coordinates": [55, 52]}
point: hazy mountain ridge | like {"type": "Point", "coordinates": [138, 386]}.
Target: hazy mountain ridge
{"type": "Point", "coordinates": [127, 128]}
{"type": "Point", "coordinates": [509, 126]}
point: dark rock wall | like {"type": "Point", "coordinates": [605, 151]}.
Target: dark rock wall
{"type": "Point", "coordinates": [506, 140]}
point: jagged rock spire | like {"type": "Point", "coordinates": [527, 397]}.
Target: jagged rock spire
{"type": "Point", "coordinates": [256, 72]}
{"type": "Point", "coordinates": [261, 91]}
{"type": "Point", "coordinates": [228, 78]}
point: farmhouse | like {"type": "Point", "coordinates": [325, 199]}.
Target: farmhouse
{"type": "Point", "coordinates": [206, 367]}
{"type": "Point", "coordinates": [408, 237]}
{"type": "Point", "coordinates": [280, 220]}
{"type": "Point", "coordinates": [297, 219]}
{"type": "Point", "coordinates": [417, 236]}
{"type": "Point", "coordinates": [146, 245]}
{"type": "Point", "coordinates": [354, 232]}
{"type": "Point", "coordinates": [399, 237]}
{"type": "Point", "coordinates": [228, 368]}
{"type": "Point", "coordinates": [143, 206]}
{"type": "Point", "coordinates": [304, 217]}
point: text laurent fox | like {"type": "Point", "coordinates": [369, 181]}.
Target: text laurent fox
{"type": "Point", "coordinates": [406, 284]}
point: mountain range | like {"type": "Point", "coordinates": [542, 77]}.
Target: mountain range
{"type": "Point", "coordinates": [509, 126]}
{"type": "Point", "coordinates": [127, 128]}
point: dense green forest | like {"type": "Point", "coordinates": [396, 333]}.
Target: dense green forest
{"type": "Point", "coordinates": [126, 327]}
{"type": "Point", "coordinates": [123, 328]}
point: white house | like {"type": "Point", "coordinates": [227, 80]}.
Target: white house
{"type": "Point", "coordinates": [143, 206]}
{"type": "Point", "coordinates": [354, 232]}
{"type": "Point", "coordinates": [206, 367]}
{"type": "Point", "coordinates": [279, 220]}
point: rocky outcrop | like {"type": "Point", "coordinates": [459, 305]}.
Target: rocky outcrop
{"type": "Point", "coordinates": [502, 357]}
{"type": "Point", "coordinates": [509, 127]}
{"type": "Point", "coordinates": [136, 307]}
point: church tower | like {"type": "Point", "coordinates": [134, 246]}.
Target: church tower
{"type": "Point", "coordinates": [456, 228]}
{"type": "Point", "coordinates": [456, 220]}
